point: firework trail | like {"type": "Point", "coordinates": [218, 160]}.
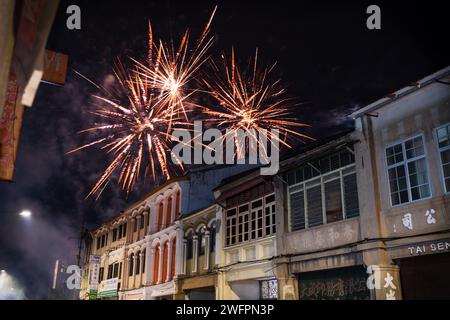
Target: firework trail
{"type": "Point", "coordinates": [251, 101]}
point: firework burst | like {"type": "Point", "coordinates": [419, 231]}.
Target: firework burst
{"type": "Point", "coordinates": [137, 131]}
{"type": "Point", "coordinates": [170, 69]}
{"type": "Point", "coordinates": [251, 101]}
{"type": "Point", "coordinates": [132, 131]}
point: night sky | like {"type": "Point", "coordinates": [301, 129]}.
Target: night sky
{"type": "Point", "coordinates": [324, 53]}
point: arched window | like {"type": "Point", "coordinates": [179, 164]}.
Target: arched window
{"type": "Point", "coordinates": [143, 260]}
{"type": "Point", "coordinates": [164, 264]}
{"type": "Point", "coordinates": [172, 264]}
{"type": "Point", "coordinates": [142, 221]}
{"type": "Point", "coordinates": [156, 264]}
{"type": "Point", "coordinates": [160, 215]}
{"type": "Point", "coordinates": [177, 205]}
{"type": "Point", "coordinates": [189, 244]}
{"type": "Point", "coordinates": [169, 211]}
{"type": "Point", "coordinates": [212, 238]}
{"type": "Point", "coordinates": [131, 265]}
{"type": "Point", "coordinates": [138, 263]}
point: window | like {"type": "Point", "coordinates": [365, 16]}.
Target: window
{"type": "Point", "coordinates": [142, 221]}
{"type": "Point", "coordinates": [116, 270]}
{"type": "Point", "coordinates": [124, 230]}
{"type": "Point", "coordinates": [114, 233]}
{"type": "Point", "coordinates": [135, 226]}
{"type": "Point", "coordinates": [270, 215]}
{"type": "Point", "coordinates": [333, 201]}
{"type": "Point", "coordinates": [165, 261]}
{"type": "Point", "coordinates": [251, 221]}
{"type": "Point", "coordinates": [443, 136]}
{"type": "Point", "coordinates": [102, 241]}
{"type": "Point", "coordinates": [314, 203]}
{"type": "Point", "coordinates": [156, 264]}
{"type": "Point", "coordinates": [177, 205]}
{"type": "Point", "coordinates": [160, 216]}
{"type": "Point", "coordinates": [323, 191]}
{"type": "Point", "coordinates": [269, 289]}
{"type": "Point", "coordinates": [110, 271]}
{"type": "Point", "coordinates": [172, 262]}
{"type": "Point", "coordinates": [407, 171]}
{"type": "Point", "coordinates": [351, 202]}
{"type": "Point", "coordinates": [143, 260]}
{"type": "Point", "coordinates": [138, 263]}
{"type": "Point", "coordinates": [231, 227]}
{"type": "Point", "coordinates": [189, 250]}
{"type": "Point", "coordinates": [131, 265]}
{"type": "Point", "coordinates": [169, 211]}
{"type": "Point", "coordinates": [212, 238]}
{"type": "Point", "coordinates": [100, 274]}
{"type": "Point", "coordinates": [243, 218]}
{"type": "Point", "coordinates": [119, 232]}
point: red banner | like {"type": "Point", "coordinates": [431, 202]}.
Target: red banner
{"type": "Point", "coordinates": [10, 125]}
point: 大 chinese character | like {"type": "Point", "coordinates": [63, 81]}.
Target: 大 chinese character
{"type": "Point", "coordinates": [388, 281]}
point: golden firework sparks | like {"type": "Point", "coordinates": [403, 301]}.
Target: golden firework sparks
{"type": "Point", "coordinates": [131, 130]}
{"type": "Point", "coordinates": [251, 101]}
{"type": "Point", "coordinates": [170, 70]}
{"type": "Point", "coordinates": [157, 94]}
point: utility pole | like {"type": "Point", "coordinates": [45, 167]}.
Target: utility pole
{"type": "Point", "coordinates": [80, 239]}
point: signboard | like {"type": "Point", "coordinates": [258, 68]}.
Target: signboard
{"type": "Point", "coordinates": [92, 294]}
{"type": "Point", "coordinates": [94, 270]}
{"type": "Point", "coordinates": [10, 126]}
{"type": "Point", "coordinates": [35, 20]}
{"type": "Point", "coordinates": [337, 284]}
{"type": "Point", "coordinates": [108, 288]}
{"type": "Point", "coordinates": [93, 258]}
{"type": "Point", "coordinates": [429, 247]}
{"type": "Point", "coordinates": [55, 67]}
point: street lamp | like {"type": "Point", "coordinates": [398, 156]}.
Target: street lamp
{"type": "Point", "coordinates": [3, 271]}
{"type": "Point", "coordinates": [25, 214]}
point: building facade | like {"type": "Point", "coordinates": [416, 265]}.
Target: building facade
{"type": "Point", "coordinates": [246, 241]}
{"type": "Point", "coordinates": [319, 224]}
{"type": "Point", "coordinates": [198, 277]}
{"type": "Point", "coordinates": [403, 182]}
{"type": "Point", "coordinates": [364, 214]}
{"type": "Point", "coordinates": [139, 254]}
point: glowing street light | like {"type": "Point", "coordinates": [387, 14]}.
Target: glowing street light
{"type": "Point", "coordinates": [3, 271]}
{"type": "Point", "coordinates": [25, 214]}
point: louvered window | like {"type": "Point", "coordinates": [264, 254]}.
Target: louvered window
{"type": "Point", "coordinates": [323, 191]}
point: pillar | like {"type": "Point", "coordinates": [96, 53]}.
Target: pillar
{"type": "Point", "coordinates": [161, 263]}
{"type": "Point", "coordinates": [194, 253]}
{"type": "Point", "coordinates": [148, 274]}
{"type": "Point", "coordinates": [287, 283]}
{"type": "Point", "coordinates": [169, 260]}
{"type": "Point", "coordinates": [207, 253]}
